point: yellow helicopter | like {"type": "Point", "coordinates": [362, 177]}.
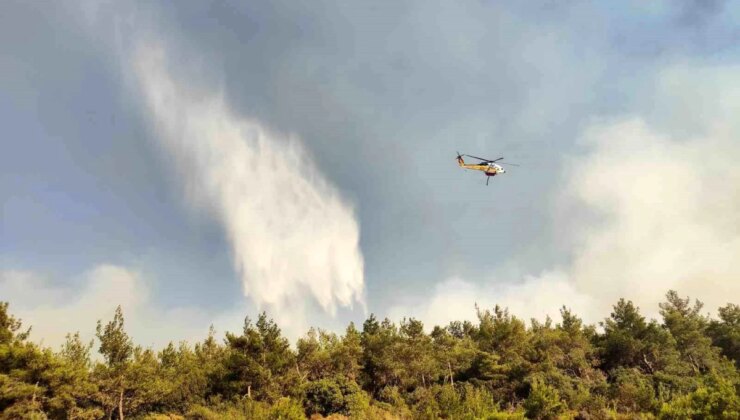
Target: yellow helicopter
{"type": "Point", "coordinates": [487, 166]}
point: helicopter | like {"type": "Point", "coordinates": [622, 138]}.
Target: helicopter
{"type": "Point", "coordinates": [487, 166]}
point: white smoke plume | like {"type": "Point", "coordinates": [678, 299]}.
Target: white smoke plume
{"type": "Point", "coordinates": [294, 239]}
{"type": "Point", "coordinates": [535, 297]}
{"type": "Point", "coordinates": [666, 195]}
{"type": "Point", "coordinates": [669, 215]}
{"type": "Point", "coordinates": [52, 309]}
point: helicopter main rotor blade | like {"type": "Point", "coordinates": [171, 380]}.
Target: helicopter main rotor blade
{"type": "Point", "coordinates": [484, 160]}
{"type": "Point", "coordinates": [512, 164]}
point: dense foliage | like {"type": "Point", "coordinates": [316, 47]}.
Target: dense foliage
{"type": "Point", "coordinates": [685, 367]}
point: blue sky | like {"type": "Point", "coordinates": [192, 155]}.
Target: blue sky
{"type": "Point", "coordinates": [380, 96]}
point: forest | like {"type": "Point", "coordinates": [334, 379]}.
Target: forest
{"type": "Point", "coordinates": [683, 366]}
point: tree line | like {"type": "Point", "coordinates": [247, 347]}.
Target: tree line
{"type": "Point", "coordinates": [684, 366]}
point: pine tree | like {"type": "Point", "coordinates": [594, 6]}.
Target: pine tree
{"type": "Point", "coordinates": [117, 349]}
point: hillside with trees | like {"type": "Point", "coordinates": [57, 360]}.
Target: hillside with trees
{"type": "Point", "coordinates": [684, 366]}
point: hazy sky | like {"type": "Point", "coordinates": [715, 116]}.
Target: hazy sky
{"type": "Point", "coordinates": [199, 161]}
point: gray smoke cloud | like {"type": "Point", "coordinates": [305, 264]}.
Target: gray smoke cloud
{"type": "Point", "coordinates": [294, 239]}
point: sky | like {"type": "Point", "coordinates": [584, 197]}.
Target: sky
{"type": "Point", "coordinates": [199, 162]}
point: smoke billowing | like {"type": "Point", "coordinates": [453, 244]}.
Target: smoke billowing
{"type": "Point", "coordinates": [293, 238]}
{"type": "Point", "coordinates": [668, 215]}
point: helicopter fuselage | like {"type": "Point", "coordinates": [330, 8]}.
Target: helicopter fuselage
{"type": "Point", "coordinates": [487, 167]}
{"type": "Point", "coordinates": [490, 169]}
